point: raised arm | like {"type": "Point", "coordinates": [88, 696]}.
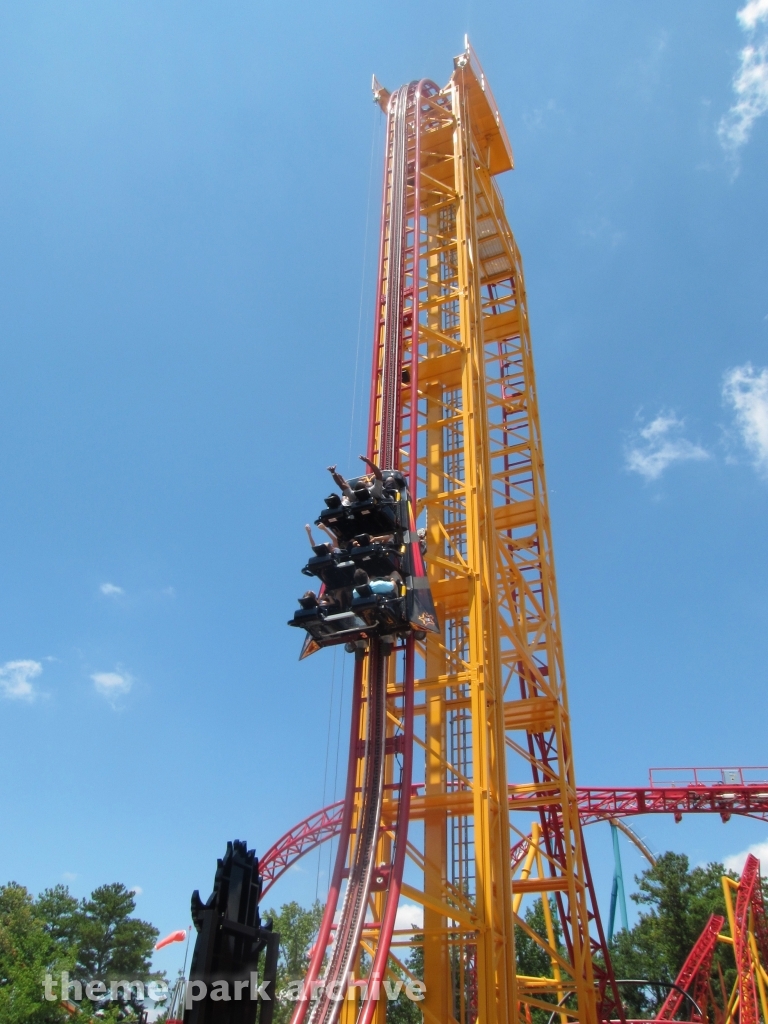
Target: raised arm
{"type": "Point", "coordinates": [339, 480]}
{"type": "Point", "coordinates": [373, 467]}
{"type": "Point", "coordinates": [333, 538]}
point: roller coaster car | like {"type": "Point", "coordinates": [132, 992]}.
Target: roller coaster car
{"type": "Point", "coordinates": [376, 533]}
{"type": "Point", "coordinates": [366, 514]}
{"type": "Point", "coordinates": [337, 568]}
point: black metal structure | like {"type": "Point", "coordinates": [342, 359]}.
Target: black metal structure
{"type": "Point", "coordinates": [230, 941]}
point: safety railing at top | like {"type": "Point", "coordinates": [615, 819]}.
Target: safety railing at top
{"type": "Point", "coordinates": [682, 778]}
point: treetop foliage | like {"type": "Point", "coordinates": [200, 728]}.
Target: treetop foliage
{"type": "Point", "coordinates": [99, 937]}
{"type": "Point", "coordinates": [298, 928]}
{"type": "Point", "coordinates": [677, 901]}
{"type": "Point", "coordinates": [27, 952]}
{"type": "Point", "coordinates": [93, 938]}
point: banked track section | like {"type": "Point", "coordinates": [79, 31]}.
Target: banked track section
{"type": "Point", "coordinates": [375, 696]}
{"type": "Point", "coordinates": [595, 804]}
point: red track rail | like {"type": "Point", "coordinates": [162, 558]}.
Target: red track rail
{"type": "Point", "coordinates": [601, 804]}
{"type": "Point", "coordinates": [595, 804]}
{"type": "Point", "coordinates": [392, 443]}
{"type": "Point", "coordinates": [694, 974]}
{"type": "Point", "coordinates": [749, 904]}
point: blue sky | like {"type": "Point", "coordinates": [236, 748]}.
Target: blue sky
{"type": "Point", "coordinates": [187, 224]}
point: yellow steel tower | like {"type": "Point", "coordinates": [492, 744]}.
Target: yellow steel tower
{"type": "Point", "coordinates": [477, 714]}
{"type": "Point", "coordinates": [492, 696]}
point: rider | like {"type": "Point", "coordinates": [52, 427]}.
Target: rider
{"type": "Point", "coordinates": [386, 586]}
{"type": "Point", "coordinates": [373, 482]}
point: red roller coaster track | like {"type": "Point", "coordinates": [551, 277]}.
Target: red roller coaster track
{"type": "Point", "coordinates": [372, 753]}
{"type": "Point", "coordinates": [747, 798]}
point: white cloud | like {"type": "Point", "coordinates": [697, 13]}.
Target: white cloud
{"type": "Point", "coordinates": [751, 13]}
{"type": "Point", "coordinates": [750, 83]}
{"type": "Point", "coordinates": [736, 861]}
{"type": "Point", "coordinates": [69, 876]}
{"type": "Point", "coordinates": [112, 684]}
{"type": "Point", "coordinates": [659, 444]}
{"type": "Point", "coordinates": [137, 890]}
{"type": "Point", "coordinates": [16, 679]}
{"type": "Point", "coordinates": [409, 915]}
{"type": "Point", "coordinates": [746, 390]}
{"type": "Point", "coordinates": [111, 590]}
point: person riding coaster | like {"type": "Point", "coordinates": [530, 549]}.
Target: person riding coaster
{"type": "Point", "coordinates": [373, 579]}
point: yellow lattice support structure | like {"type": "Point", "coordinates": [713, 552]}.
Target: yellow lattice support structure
{"type": "Point", "coordinates": [490, 693]}
{"type": "Point", "coordinates": [445, 722]}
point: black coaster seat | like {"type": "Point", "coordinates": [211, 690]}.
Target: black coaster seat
{"type": "Point", "coordinates": [369, 516]}
{"type": "Point", "coordinates": [304, 617]}
{"type": "Point", "coordinates": [382, 613]}
{"type": "Point", "coordinates": [324, 624]}
{"type": "Point", "coordinates": [353, 618]}
{"type": "Point", "coordinates": [377, 559]}
{"type": "Point", "coordinates": [335, 569]}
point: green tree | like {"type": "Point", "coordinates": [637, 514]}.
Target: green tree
{"type": "Point", "coordinates": [532, 960]}
{"type": "Point", "coordinates": [27, 953]}
{"type": "Point", "coordinates": [404, 1010]}
{"type": "Point", "coordinates": [111, 943]}
{"type": "Point", "coordinates": [680, 900]}
{"type": "Point", "coordinates": [60, 912]}
{"type": "Point", "coordinates": [298, 929]}
{"type": "Point", "coordinates": [97, 938]}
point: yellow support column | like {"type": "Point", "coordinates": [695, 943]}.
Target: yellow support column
{"type": "Point", "coordinates": [492, 575]}
{"type": "Point", "coordinates": [491, 701]}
